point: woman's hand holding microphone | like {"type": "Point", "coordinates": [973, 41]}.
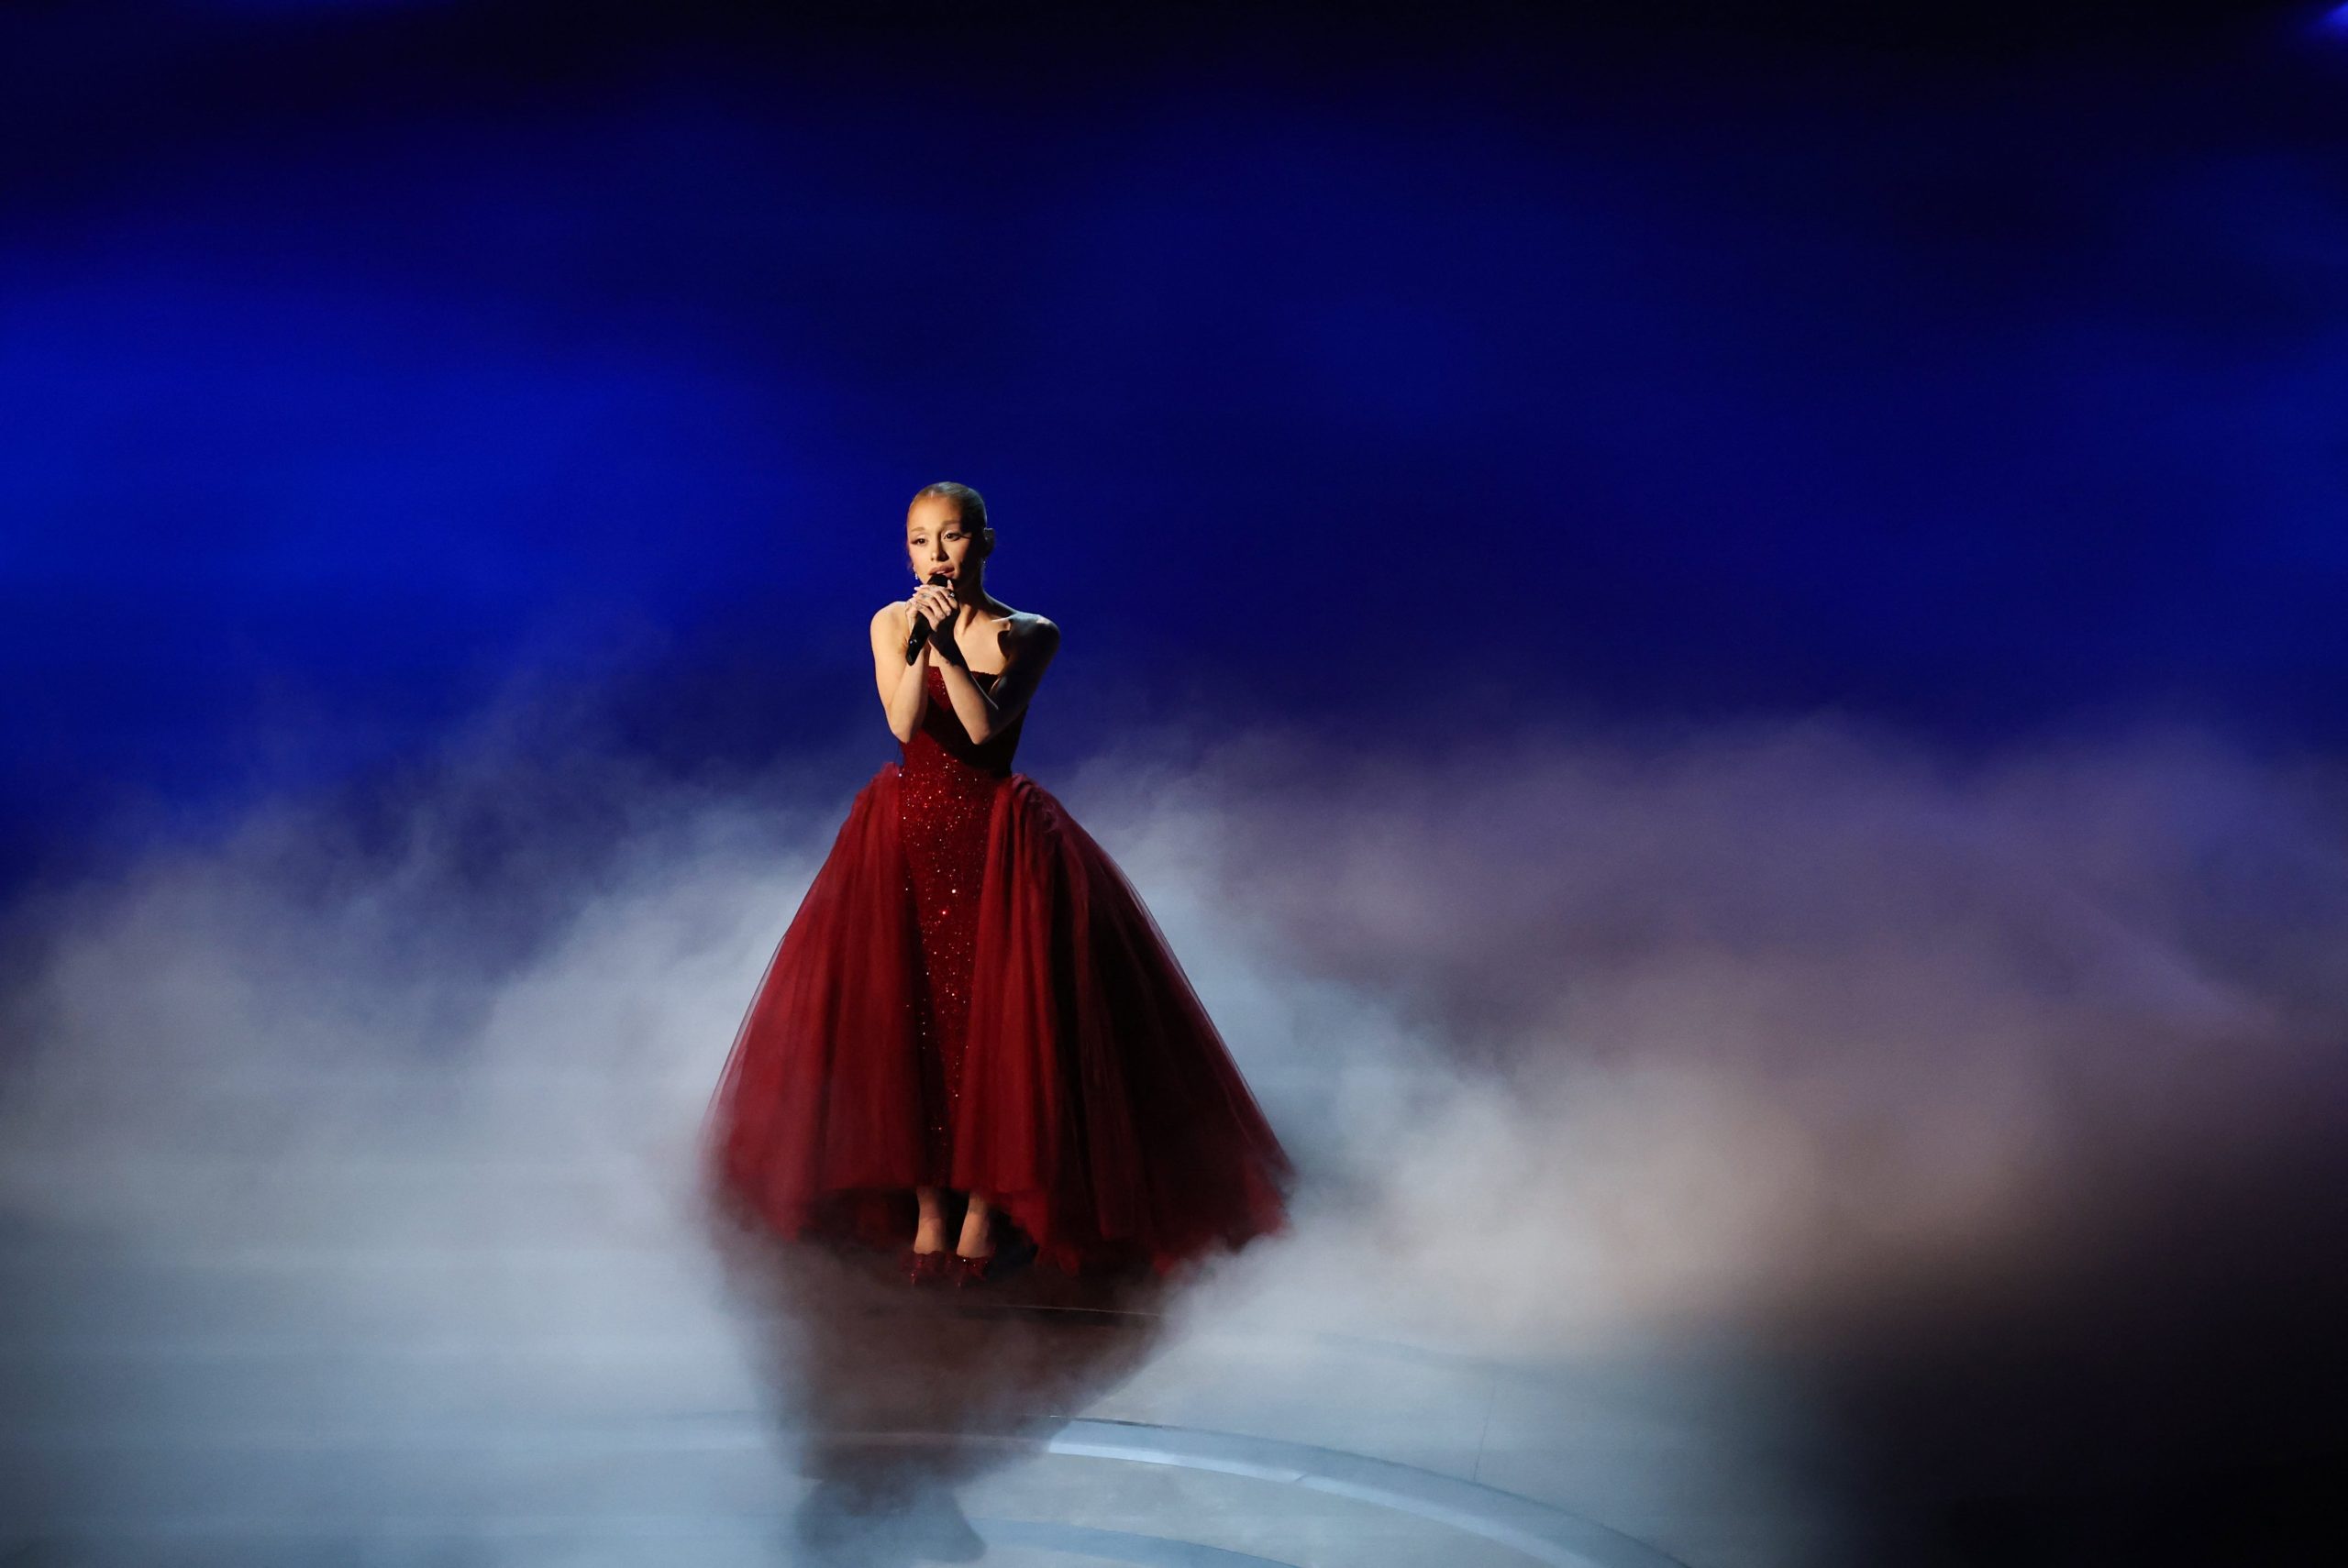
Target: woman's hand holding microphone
{"type": "Point", "coordinates": [935, 604]}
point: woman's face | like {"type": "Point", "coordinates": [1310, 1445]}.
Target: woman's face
{"type": "Point", "coordinates": [935, 539]}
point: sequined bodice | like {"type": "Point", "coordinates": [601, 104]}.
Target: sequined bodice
{"type": "Point", "coordinates": [942, 747]}
{"type": "Point", "coordinates": [944, 805]}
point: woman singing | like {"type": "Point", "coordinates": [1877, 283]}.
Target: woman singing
{"type": "Point", "coordinates": [972, 1011]}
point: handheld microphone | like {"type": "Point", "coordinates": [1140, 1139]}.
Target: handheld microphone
{"type": "Point", "coordinates": [920, 632]}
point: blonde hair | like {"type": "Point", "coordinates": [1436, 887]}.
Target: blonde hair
{"type": "Point", "coordinates": [972, 505]}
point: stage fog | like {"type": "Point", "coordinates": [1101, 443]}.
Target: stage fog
{"type": "Point", "coordinates": [1792, 1039]}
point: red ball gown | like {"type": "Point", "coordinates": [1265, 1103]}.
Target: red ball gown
{"type": "Point", "coordinates": [973, 996]}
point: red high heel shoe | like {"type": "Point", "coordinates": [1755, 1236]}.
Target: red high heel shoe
{"type": "Point", "coordinates": [924, 1268]}
{"type": "Point", "coordinates": [972, 1270]}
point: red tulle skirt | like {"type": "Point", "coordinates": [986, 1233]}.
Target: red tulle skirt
{"type": "Point", "coordinates": [1094, 1105]}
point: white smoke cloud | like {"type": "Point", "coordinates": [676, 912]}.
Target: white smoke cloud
{"type": "Point", "coordinates": [1574, 1038]}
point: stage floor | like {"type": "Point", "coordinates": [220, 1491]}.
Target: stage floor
{"type": "Point", "coordinates": [393, 1355]}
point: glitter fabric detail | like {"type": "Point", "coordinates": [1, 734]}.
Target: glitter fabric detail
{"type": "Point", "coordinates": [946, 806]}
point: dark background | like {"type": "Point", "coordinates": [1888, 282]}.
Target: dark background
{"type": "Point", "coordinates": [1412, 372]}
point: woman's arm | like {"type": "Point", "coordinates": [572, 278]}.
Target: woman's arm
{"type": "Point", "coordinates": [982, 713]}
{"type": "Point", "coordinates": [902, 690]}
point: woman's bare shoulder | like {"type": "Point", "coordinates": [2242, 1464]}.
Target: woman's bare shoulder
{"type": "Point", "coordinates": [1034, 631]}
{"type": "Point", "coordinates": [1027, 640]}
